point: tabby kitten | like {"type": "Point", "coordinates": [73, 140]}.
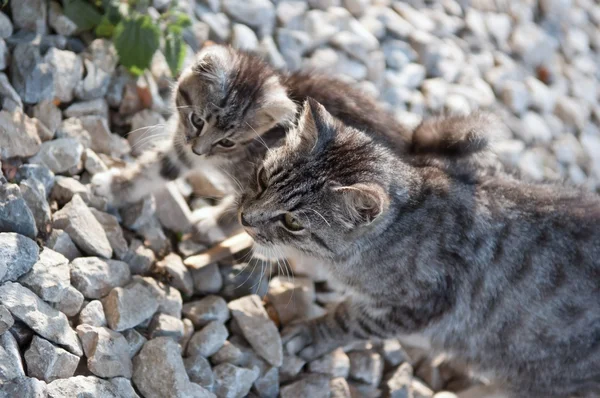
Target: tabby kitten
{"type": "Point", "coordinates": [502, 274]}
{"type": "Point", "coordinates": [231, 107]}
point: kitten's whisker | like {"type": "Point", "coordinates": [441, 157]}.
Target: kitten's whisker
{"type": "Point", "coordinates": [145, 127]}
{"type": "Point", "coordinates": [145, 140]}
{"type": "Point", "coordinates": [261, 140]}
{"type": "Point", "coordinates": [150, 130]}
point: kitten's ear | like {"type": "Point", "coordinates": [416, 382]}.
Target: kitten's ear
{"type": "Point", "coordinates": [212, 63]}
{"type": "Point", "coordinates": [362, 203]}
{"type": "Point", "coordinates": [277, 104]}
{"type": "Point", "coordinates": [316, 127]}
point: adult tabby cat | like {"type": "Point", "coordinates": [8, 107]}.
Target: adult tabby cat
{"type": "Point", "coordinates": [500, 273]}
{"type": "Point", "coordinates": [231, 107]}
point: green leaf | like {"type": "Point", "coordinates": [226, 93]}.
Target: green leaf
{"type": "Point", "coordinates": [175, 30]}
{"type": "Point", "coordinates": [182, 19]}
{"type": "Point", "coordinates": [174, 53]}
{"type": "Point", "coordinates": [84, 14]}
{"type": "Point", "coordinates": [136, 40]}
{"type": "Point", "coordinates": [112, 11]}
{"type": "Point", "coordinates": [105, 28]}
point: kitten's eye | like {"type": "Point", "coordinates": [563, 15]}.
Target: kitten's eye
{"type": "Point", "coordinates": [226, 143]}
{"type": "Point", "coordinates": [262, 179]}
{"type": "Point", "coordinates": [292, 223]}
{"type": "Point", "coordinates": [196, 121]}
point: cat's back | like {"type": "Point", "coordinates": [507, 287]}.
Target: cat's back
{"type": "Point", "coordinates": [351, 105]}
{"type": "Point", "coordinates": [536, 295]}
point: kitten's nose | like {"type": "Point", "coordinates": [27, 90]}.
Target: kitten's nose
{"type": "Point", "coordinates": [197, 151]}
{"type": "Point", "coordinates": [200, 149]}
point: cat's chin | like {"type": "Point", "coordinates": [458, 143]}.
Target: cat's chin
{"type": "Point", "coordinates": [275, 251]}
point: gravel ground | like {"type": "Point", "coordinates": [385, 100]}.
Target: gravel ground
{"type": "Point", "coordinates": [94, 300]}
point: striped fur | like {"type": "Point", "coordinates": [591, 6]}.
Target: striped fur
{"type": "Point", "coordinates": [239, 97]}
{"type": "Point", "coordinates": [500, 273]}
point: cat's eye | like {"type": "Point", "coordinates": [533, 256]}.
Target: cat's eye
{"type": "Point", "coordinates": [291, 222]}
{"type": "Point", "coordinates": [226, 143]}
{"type": "Point", "coordinates": [196, 121]}
{"type": "Point", "coordinates": [262, 179]}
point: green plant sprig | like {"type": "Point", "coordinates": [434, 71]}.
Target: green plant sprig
{"type": "Point", "coordinates": [135, 34]}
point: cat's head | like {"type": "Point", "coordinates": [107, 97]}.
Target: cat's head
{"type": "Point", "coordinates": [320, 190]}
{"type": "Point", "coordinates": [226, 99]}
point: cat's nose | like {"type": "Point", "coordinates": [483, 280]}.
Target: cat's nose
{"type": "Point", "coordinates": [243, 221]}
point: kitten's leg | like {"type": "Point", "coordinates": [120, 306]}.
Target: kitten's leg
{"type": "Point", "coordinates": [345, 324]}
{"type": "Point", "coordinates": [148, 174]}
{"type": "Point", "coordinates": [212, 224]}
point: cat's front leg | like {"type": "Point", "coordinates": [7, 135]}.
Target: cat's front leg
{"type": "Point", "coordinates": [148, 174]}
{"type": "Point", "coordinates": [343, 325]}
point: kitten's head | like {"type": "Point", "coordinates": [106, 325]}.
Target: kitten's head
{"type": "Point", "coordinates": [227, 98]}
{"type": "Point", "coordinates": [320, 190]}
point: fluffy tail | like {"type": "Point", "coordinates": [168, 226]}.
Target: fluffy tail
{"type": "Point", "coordinates": [456, 136]}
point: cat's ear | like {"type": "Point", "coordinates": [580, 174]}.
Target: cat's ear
{"type": "Point", "coordinates": [362, 203]}
{"type": "Point", "coordinates": [316, 127]}
{"type": "Point", "coordinates": [213, 63]}
{"type": "Point", "coordinates": [277, 105]}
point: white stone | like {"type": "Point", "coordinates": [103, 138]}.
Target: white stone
{"type": "Point", "coordinates": [211, 308]}
{"type": "Point", "coordinates": [258, 329]}
{"type": "Point", "coordinates": [49, 277]}
{"type": "Point", "coordinates": [158, 371]}
{"type": "Point", "coordinates": [47, 362]}
{"type": "Point", "coordinates": [107, 351]}
{"type": "Point", "coordinates": [69, 68]}
{"type": "Point", "coordinates": [232, 381]}
{"type": "Point", "coordinates": [49, 323]}
{"type": "Point", "coordinates": [80, 386]}
{"type": "Point", "coordinates": [208, 340]}
{"type": "Point", "coordinates": [93, 314]}
{"type": "Point", "coordinates": [62, 155]}
{"type": "Point", "coordinates": [78, 221]}
{"type": "Point", "coordinates": [129, 306]}
{"type": "Point", "coordinates": [243, 38]}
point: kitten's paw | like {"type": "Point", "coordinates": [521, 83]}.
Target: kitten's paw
{"type": "Point", "coordinates": [106, 185]}
{"type": "Point", "coordinates": [206, 225]}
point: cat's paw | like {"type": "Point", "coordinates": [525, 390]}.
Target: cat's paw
{"type": "Point", "coordinates": [105, 184]}
{"type": "Point", "coordinates": [299, 339]}
{"type": "Point", "coordinates": [206, 227]}
{"type": "Point", "coordinates": [296, 337]}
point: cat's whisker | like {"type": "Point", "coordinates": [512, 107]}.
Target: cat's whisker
{"type": "Point", "coordinates": [262, 272]}
{"type": "Point", "coordinates": [245, 256]}
{"type": "Point", "coordinates": [251, 273]}
{"type": "Point", "coordinates": [234, 179]}
{"type": "Point", "coordinates": [319, 214]}
{"type": "Point", "coordinates": [303, 223]}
